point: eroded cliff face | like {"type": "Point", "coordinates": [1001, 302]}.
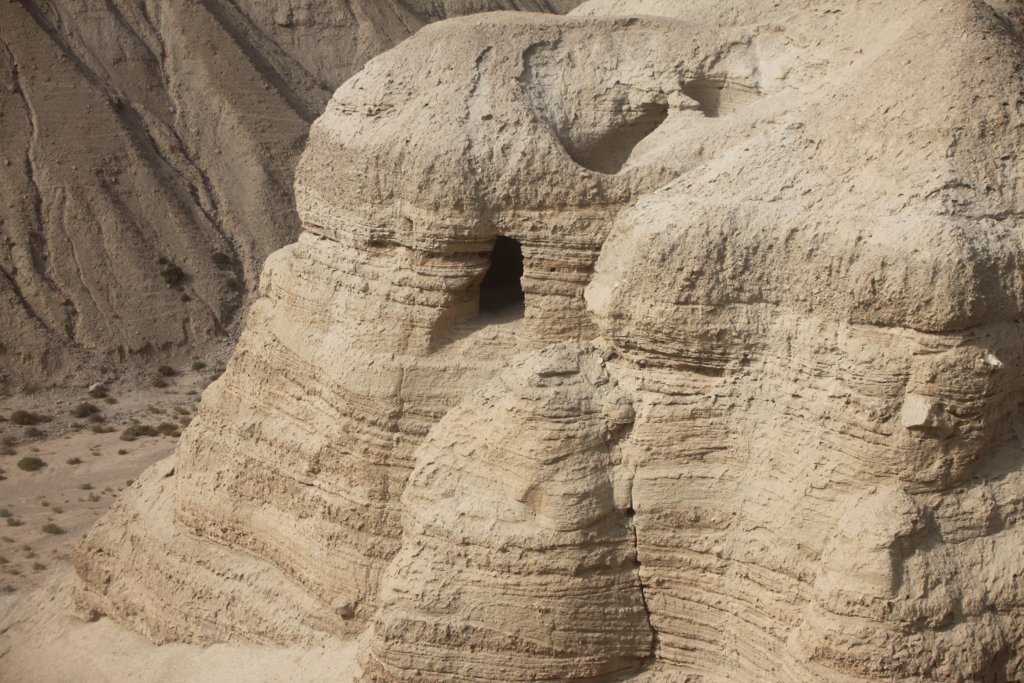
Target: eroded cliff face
{"type": "Point", "coordinates": [626, 347]}
{"type": "Point", "coordinates": [148, 162]}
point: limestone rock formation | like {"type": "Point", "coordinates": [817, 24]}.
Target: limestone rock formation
{"type": "Point", "coordinates": [675, 347]}
{"type": "Point", "coordinates": [148, 161]}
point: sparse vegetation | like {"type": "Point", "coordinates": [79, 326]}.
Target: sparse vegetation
{"type": "Point", "coordinates": [221, 260]}
{"type": "Point", "coordinates": [84, 410]}
{"type": "Point", "coordinates": [85, 487]}
{"type": "Point", "coordinates": [14, 521]}
{"type": "Point", "coordinates": [34, 432]}
{"type": "Point", "coordinates": [172, 274]}
{"type": "Point", "coordinates": [4, 512]}
{"type": "Point", "coordinates": [7, 450]}
{"type": "Point", "coordinates": [93, 498]}
{"type": "Point", "coordinates": [51, 528]}
{"type": "Point", "coordinates": [159, 382]}
{"type": "Point", "coordinates": [58, 510]}
{"type": "Point", "coordinates": [31, 463]}
{"type": "Point", "coordinates": [129, 482]}
{"type": "Point", "coordinates": [168, 429]}
{"type": "Point", "coordinates": [110, 400]}
{"type": "Point", "coordinates": [74, 461]}
{"type": "Point", "coordinates": [26, 418]}
{"type": "Point", "coordinates": [166, 371]}
{"type": "Point", "coordinates": [9, 441]}
{"type": "Point", "coordinates": [139, 430]}
{"type": "Point", "coordinates": [99, 391]}
{"type": "Point", "coordinates": [101, 429]}
{"type": "Point", "coordinates": [39, 566]}
{"type": "Point", "coordinates": [198, 365]}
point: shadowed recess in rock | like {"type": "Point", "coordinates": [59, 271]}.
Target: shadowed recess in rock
{"type": "Point", "coordinates": [502, 287]}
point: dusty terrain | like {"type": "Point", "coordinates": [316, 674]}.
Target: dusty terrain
{"type": "Point", "coordinates": [675, 347]}
{"type": "Point", "coordinates": [87, 460]}
{"type": "Point", "coordinates": [147, 163]}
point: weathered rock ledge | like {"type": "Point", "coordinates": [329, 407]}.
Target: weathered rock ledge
{"type": "Point", "coordinates": [676, 347]}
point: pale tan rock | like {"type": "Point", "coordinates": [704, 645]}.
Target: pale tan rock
{"type": "Point", "coordinates": [759, 419]}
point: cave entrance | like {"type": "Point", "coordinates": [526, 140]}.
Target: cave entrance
{"type": "Point", "coordinates": [502, 288]}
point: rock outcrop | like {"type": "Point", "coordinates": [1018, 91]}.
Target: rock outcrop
{"type": "Point", "coordinates": [683, 347]}
{"type": "Point", "coordinates": [148, 161]}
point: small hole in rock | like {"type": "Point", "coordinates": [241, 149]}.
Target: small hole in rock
{"type": "Point", "coordinates": [502, 288]}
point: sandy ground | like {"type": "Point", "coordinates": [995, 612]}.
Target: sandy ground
{"type": "Point", "coordinates": [88, 465]}
{"type": "Point", "coordinates": [45, 644]}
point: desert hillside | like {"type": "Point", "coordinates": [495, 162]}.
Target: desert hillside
{"type": "Point", "coordinates": [655, 341]}
{"type": "Point", "coordinates": [147, 163]}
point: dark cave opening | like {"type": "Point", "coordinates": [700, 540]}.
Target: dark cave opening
{"type": "Point", "coordinates": [502, 288]}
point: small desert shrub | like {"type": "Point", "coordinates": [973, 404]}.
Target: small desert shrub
{"type": "Point", "coordinates": [9, 441]}
{"type": "Point", "coordinates": [99, 391]}
{"type": "Point", "coordinates": [33, 432]}
{"type": "Point", "coordinates": [166, 371]}
{"type": "Point", "coordinates": [102, 429]}
{"type": "Point", "coordinates": [4, 512]}
{"type": "Point", "coordinates": [74, 461]}
{"type": "Point", "coordinates": [110, 399]}
{"type": "Point", "coordinates": [31, 463]}
{"type": "Point", "coordinates": [135, 431]}
{"type": "Point", "coordinates": [172, 274]}
{"type": "Point", "coordinates": [168, 429]}
{"type": "Point", "coordinates": [38, 566]}
{"type": "Point", "coordinates": [198, 365]}
{"type": "Point", "coordinates": [84, 410]}
{"type": "Point", "coordinates": [8, 589]}
{"type": "Point", "coordinates": [221, 260]}
{"type": "Point", "coordinates": [129, 482]}
{"type": "Point", "coordinates": [159, 382]}
{"type": "Point", "coordinates": [14, 521]}
{"type": "Point", "coordinates": [25, 418]}
{"type": "Point", "coordinates": [181, 410]}
{"type": "Point", "coordinates": [7, 450]}
{"type": "Point", "coordinates": [85, 487]}
{"type": "Point", "coordinates": [93, 498]}
{"type": "Point", "coordinates": [51, 528]}
{"type": "Point", "coordinates": [58, 510]}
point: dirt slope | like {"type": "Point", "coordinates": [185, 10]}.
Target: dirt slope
{"type": "Point", "coordinates": [147, 163]}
